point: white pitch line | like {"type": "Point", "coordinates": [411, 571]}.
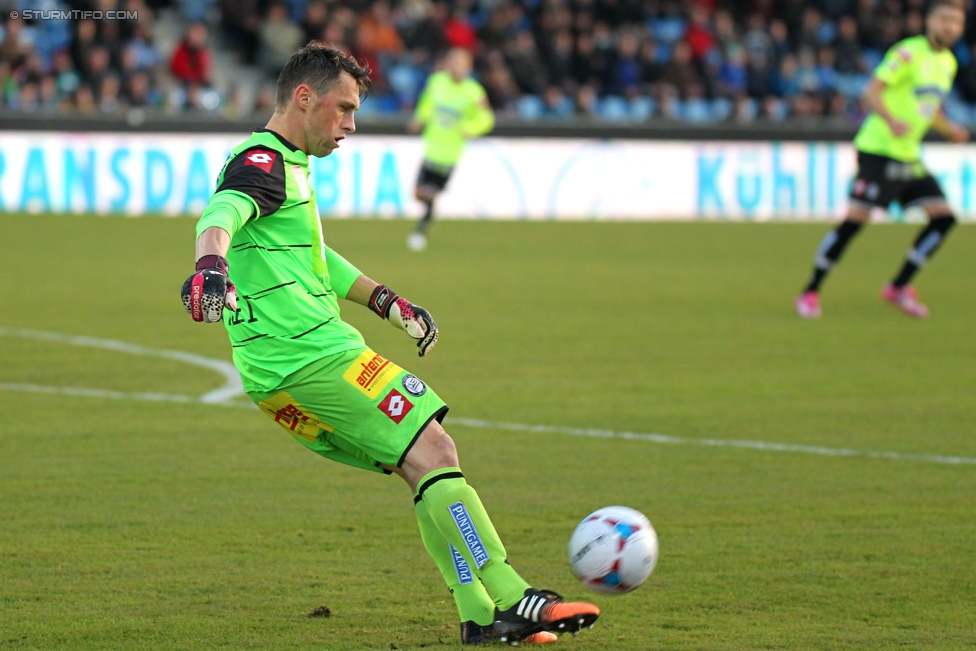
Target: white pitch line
{"type": "Point", "coordinates": [232, 386]}
{"type": "Point", "coordinates": [95, 393]}
{"type": "Point", "coordinates": [718, 443]}
{"type": "Point", "coordinates": [115, 395]}
{"type": "Point", "coordinates": [233, 389]}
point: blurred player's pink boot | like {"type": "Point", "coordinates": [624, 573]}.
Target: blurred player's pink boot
{"type": "Point", "coordinates": [808, 305]}
{"type": "Point", "coordinates": [905, 299]}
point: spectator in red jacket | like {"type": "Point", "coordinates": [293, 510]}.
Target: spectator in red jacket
{"type": "Point", "coordinates": [191, 59]}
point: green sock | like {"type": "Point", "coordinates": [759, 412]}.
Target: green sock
{"type": "Point", "coordinates": [472, 600]}
{"type": "Point", "coordinates": [457, 512]}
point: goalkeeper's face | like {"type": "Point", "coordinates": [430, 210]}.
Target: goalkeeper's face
{"type": "Point", "coordinates": [330, 116]}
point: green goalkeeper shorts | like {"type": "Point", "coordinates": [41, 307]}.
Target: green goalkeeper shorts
{"type": "Point", "coordinates": [355, 407]}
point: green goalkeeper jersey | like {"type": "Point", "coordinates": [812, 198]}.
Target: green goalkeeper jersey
{"type": "Point", "coordinates": [288, 281]}
{"type": "Point", "coordinates": [451, 112]}
{"type": "Point", "coordinates": [917, 79]}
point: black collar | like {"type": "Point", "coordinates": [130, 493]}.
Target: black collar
{"type": "Point", "coordinates": [280, 139]}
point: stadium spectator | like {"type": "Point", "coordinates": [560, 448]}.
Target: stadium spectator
{"type": "Point", "coordinates": [650, 61]}
{"type": "Point", "coordinates": [84, 100]}
{"type": "Point", "coordinates": [680, 72]}
{"type": "Point", "coordinates": [848, 47]}
{"type": "Point", "coordinates": [240, 24]}
{"type": "Point", "coordinates": [85, 39]}
{"type": "Point", "coordinates": [786, 83]}
{"type": "Point", "coordinates": [591, 65]}
{"type": "Point", "coordinates": [421, 25]}
{"type": "Point", "coordinates": [459, 32]}
{"type": "Point", "coordinates": [499, 84]}
{"type": "Point", "coordinates": [558, 56]}
{"type": "Point", "coordinates": [314, 21]}
{"type": "Point", "coordinates": [48, 101]}
{"type": "Point", "coordinates": [966, 77]}
{"type": "Point", "coordinates": [699, 35]}
{"type": "Point", "coordinates": [552, 49]}
{"type": "Point", "coordinates": [16, 42]}
{"type": "Point", "coordinates": [66, 78]}
{"type": "Point", "coordinates": [280, 38]}
{"type": "Point", "coordinates": [525, 62]}
{"type": "Point", "coordinates": [779, 40]}
{"type": "Point", "coordinates": [190, 63]}
{"type": "Point", "coordinates": [378, 42]}
{"type": "Point", "coordinates": [99, 66]}
{"type": "Point", "coordinates": [108, 94]}
{"type": "Point", "coordinates": [138, 91]}
{"type": "Point", "coordinates": [733, 76]}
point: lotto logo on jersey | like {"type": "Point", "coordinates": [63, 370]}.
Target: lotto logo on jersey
{"type": "Point", "coordinates": [395, 406]}
{"type": "Point", "coordinates": [260, 158]}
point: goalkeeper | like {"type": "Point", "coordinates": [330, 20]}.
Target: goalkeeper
{"type": "Point", "coordinates": [264, 269]}
{"type": "Point", "coordinates": [452, 109]}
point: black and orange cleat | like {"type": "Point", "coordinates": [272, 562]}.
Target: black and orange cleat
{"type": "Point", "coordinates": [475, 634]}
{"type": "Point", "coordinates": [542, 611]}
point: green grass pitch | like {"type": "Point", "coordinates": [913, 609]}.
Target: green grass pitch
{"type": "Point", "coordinates": [129, 523]}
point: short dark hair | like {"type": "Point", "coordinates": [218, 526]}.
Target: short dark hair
{"type": "Point", "coordinates": [319, 66]}
{"type": "Point", "coordinates": [953, 4]}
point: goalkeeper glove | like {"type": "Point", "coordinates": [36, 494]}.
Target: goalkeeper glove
{"type": "Point", "coordinates": [413, 319]}
{"type": "Point", "coordinates": [206, 292]}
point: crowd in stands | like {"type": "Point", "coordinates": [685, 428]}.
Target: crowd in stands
{"type": "Point", "coordinates": [692, 60]}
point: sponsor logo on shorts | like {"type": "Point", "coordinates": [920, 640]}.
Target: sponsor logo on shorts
{"type": "Point", "coordinates": [370, 373]}
{"type": "Point", "coordinates": [414, 385]}
{"type": "Point", "coordinates": [395, 406]}
{"type": "Point", "coordinates": [470, 534]}
{"type": "Point", "coordinates": [461, 566]}
{"type": "Point", "coordinates": [300, 422]}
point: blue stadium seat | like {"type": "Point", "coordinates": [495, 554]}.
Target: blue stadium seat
{"type": "Point", "coordinates": [564, 108]}
{"type": "Point", "coordinates": [778, 110]}
{"type": "Point", "coordinates": [195, 11]}
{"type": "Point", "coordinates": [871, 57]}
{"type": "Point", "coordinates": [530, 107]}
{"type": "Point", "coordinates": [851, 85]}
{"type": "Point", "coordinates": [405, 80]}
{"type": "Point", "coordinates": [696, 109]}
{"type": "Point", "coordinates": [721, 109]}
{"type": "Point", "coordinates": [956, 109]}
{"type": "Point", "coordinates": [749, 110]}
{"type": "Point", "coordinates": [642, 108]}
{"type": "Point", "coordinates": [668, 30]}
{"type": "Point", "coordinates": [613, 108]}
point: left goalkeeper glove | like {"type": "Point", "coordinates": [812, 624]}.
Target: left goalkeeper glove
{"type": "Point", "coordinates": [413, 319]}
{"type": "Point", "coordinates": [209, 290]}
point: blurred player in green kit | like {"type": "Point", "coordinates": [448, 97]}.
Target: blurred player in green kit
{"type": "Point", "coordinates": [452, 109]}
{"type": "Point", "coordinates": [905, 96]}
{"type": "Point", "coordinates": [264, 269]}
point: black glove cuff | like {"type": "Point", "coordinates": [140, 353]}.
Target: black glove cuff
{"type": "Point", "coordinates": [381, 300]}
{"type": "Point", "coordinates": [212, 262]}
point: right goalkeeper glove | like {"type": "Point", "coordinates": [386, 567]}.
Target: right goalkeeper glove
{"type": "Point", "coordinates": [206, 292]}
{"type": "Point", "coordinates": [413, 319]}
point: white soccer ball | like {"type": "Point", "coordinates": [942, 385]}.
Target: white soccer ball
{"type": "Point", "coordinates": [613, 549]}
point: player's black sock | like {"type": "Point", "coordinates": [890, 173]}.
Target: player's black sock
{"type": "Point", "coordinates": [926, 244]}
{"type": "Point", "coordinates": [424, 222]}
{"type": "Point", "coordinates": [830, 250]}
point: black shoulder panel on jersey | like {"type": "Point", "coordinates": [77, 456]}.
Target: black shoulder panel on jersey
{"type": "Point", "coordinates": [258, 172]}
